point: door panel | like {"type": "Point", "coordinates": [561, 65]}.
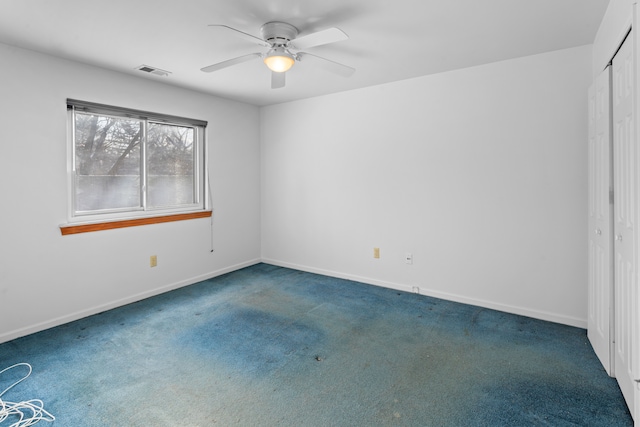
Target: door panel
{"type": "Point", "coordinates": [600, 321]}
{"type": "Point", "coordinates": [625, 228]}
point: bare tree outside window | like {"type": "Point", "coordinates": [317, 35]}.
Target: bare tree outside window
{"type": "Point", "coordinates": [170, 165]}
{"type": "Point", "coordinates": [107, 162]}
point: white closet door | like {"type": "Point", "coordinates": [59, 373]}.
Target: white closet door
{"type": "Point", "coordinates": [600, 322]}
{"type": "Point", "coordinates": [625, 174]}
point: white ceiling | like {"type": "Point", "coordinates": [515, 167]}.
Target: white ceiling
{"type": "Point", "coordinates": [388, 39]}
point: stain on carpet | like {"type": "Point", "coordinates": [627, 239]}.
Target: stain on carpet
{"type": "Point", "coordinates": [253, 341]}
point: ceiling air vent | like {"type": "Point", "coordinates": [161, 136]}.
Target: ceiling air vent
{"type": "Point", "coordinates": [153, 70]}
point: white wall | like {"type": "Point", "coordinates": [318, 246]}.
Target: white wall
{"type": "Point", "coordinates": [47, 279]}
{"type": "Point", "coordinates": [480, 173]}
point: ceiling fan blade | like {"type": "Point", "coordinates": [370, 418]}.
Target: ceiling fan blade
{"type": "Point", "coordinates": [245, 36]}
{"type": "Point", "coordinates": [230, 62]}
{"type": "Point", "coordinates": [327, 64]}
{"type": "Point", "coordinates": [277, 80]}
{"type": "Point", "coordinates": [330, 35]}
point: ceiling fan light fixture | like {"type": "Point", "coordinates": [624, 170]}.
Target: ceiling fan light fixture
{"type": "Point", "coordinates": [279, 60]}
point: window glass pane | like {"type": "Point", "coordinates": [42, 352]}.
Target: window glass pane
{"type": "Point", "coordinates": [107, 156]}
{"type": "Point", "coordinates": [170, 165]}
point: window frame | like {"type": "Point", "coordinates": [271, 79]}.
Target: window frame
{"type": "Point", "coordinates": [138, 215]}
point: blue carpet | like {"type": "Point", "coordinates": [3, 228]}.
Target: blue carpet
{"type": "Point", "coordinates": [270, 346]}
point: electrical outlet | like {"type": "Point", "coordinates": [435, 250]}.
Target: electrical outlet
{"type": "Point", "coordinates": [376, 252]}
{"type": "Point", "coordinates": [408, 258]}
{"type": "Point", "coordinates": [153, 261]}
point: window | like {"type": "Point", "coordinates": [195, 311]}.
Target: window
{"type": "Point", "coordinates": [128, 163]}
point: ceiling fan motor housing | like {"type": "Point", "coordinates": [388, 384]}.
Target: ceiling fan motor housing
{"type": "Point", "coordinates": [278, 33]}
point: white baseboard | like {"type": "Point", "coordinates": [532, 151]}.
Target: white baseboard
{"type": "Point", "coordinates": [8, 336]}
{"type": "Point", "coordinates": [522, 311]}
{"type": "Point", "coordinates": [536, 314]}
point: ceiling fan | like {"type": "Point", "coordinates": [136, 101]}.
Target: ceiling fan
{"type": "Point", "coordinates": [285, 48]}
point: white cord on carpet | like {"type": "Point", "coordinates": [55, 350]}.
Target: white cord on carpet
{"type": "Point", "coordinates": [26, 413]}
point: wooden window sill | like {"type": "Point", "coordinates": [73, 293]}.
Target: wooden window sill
{"type": "Point", "coordinates": [109, 225]}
